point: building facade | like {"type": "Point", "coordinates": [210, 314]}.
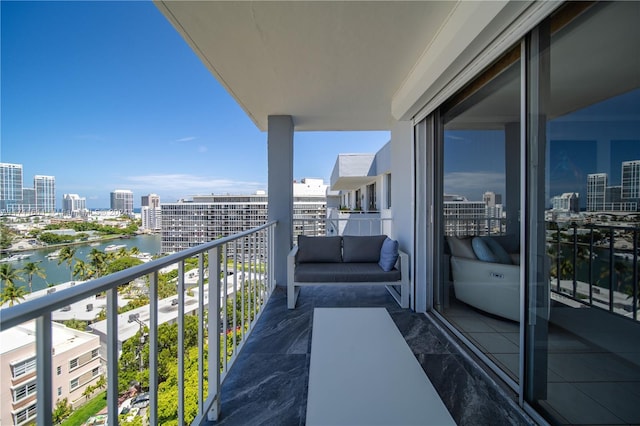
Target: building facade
{"type": "Point", "coordinates": [567, 202]}
{"type": "Point", "coordinates": [75, 361]}
{"type": "Point", "coordinates": [151, 200]}
{"type": "Point", "coordinates": [151, 218]}
{"type": "Point", "coordinates": [122, 201]}
{"type": "Point", "coordinates": [204, 218]}
{"type": "Point", "coordinates": [10, 186]}
{"type": "Point", "coordinates": [630, 190]}
{"type": "Point", "coordinates": [45, 187]}
{"type": "Point", "coordinates": [73, 205]}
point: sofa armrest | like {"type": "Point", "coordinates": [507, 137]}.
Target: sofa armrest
{"type": "Point", "coordinates": [292, 294]}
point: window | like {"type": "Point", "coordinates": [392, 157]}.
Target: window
{"type": "Point", "coordinates": [73, 364]}
{"type": "Point", "coordinates": [59, 370]}
{"type": "Point", "coordinates": [25, 415]}
{"type": "Point", "coordinates": [23, 391]}
{"type": "Point", "coordinates": [95, 353]}
{"type": "Point", "coordinates": [59, 390]}
{"type": "Point", "coordinates": [552, 128]}
{"type": "Point", "coordinates": [74, 383]}
{"type": "Point", "coordinates": [95, 371]}
{"type": "Point", "coordinates": [23, 367]}
{"type": "Point", "coordinates": [371, 197]}
{"type": "Point", "coordinates": [387, 179]}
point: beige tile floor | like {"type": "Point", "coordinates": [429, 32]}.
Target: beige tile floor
{"type": "Point", "coordinates": [585, 384]}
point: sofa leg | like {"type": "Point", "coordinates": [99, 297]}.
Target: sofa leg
{"type": "Point", "coordinates": [292, 296]}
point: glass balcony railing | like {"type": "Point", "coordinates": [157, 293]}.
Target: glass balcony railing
{"type": "Point", "coordinates": [208, 344]}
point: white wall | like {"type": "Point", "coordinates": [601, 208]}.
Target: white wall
{"type": "Point", "coordinates": [402, 200]}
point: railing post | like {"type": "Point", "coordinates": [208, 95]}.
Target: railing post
{"type": "Point", "coordinates": [181, 342]}
{"type": "Point", "coordinates": [214, 333]}
{"type": "Point", "coordinates": [201, 333]}
{"type": "Point", "coordinates": [112, 356]}
{"type": "Point", "coordinates": [634, 305]}
{"type": "Point", "coordinates": [558, 261]}
{"type": "Point", "coordinates": [575, 258]}
{"type": "Point", "coordinates": [43, 369]}
{"type": "Point", "coordinates": [153, 348]}
{"type": "Point", "coordinates": [612, 269]}
{"type": "Point", "coordinates": [591, 267]}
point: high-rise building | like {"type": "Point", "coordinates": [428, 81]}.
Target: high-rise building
{"type": "Point", "coordinates": [122, 201]}
{"type": "Point", "coordinates": [596, 191]}
{"type": "Point", "coordinates": [491, 199]}
{"type": "Point", "coordinates": [151, 200]}
{"type": "Point", "coordinates": [73, 205]}
{"type": "Point", "coordinates": [463, 217]}
{"type": "Point", "coordinates": [567, 202]}
{"type": "Point", "coordinates": [10, 186]}
{"type": "Point", "coordinates": [204, 218]}
{"type": "Point", "coordinates": [151, 218]}
{"type": "Point", "coordinates": [45, 187]}
{"type": "Point", "coordinates": [28, 201]}
{"type": "Point", "coordinates": [631, 180]}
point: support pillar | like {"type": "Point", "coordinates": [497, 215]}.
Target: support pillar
{"type": "Point", "coordinates": [280, 189]}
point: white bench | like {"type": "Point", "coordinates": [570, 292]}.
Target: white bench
{"type": "Point", "coordinates": [362, 372]}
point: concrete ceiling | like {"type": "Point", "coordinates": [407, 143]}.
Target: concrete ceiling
{"type": "Point", "coordinates": [330, 65]}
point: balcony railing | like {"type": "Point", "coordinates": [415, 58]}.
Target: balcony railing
{"type": "Point", "coordinates": [595, 265]}
{"type": "Point", "coordinates": [244, 279]}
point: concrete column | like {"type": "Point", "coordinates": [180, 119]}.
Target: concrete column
{"type": "Point", "coordinates": [512, 169]}
{"type": "Point", "coordinates": [280, 189]}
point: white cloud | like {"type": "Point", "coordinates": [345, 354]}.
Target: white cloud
{"type": "Point", "coordinates": [184, 185]}
{"type": "Point", "coordinates": [187, 139]}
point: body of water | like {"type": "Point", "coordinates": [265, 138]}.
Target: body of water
{"type": "Point", "coordinates": [59, 273]}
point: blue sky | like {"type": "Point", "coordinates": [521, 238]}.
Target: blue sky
{"type": "Point", "coordinates": [107, 95]}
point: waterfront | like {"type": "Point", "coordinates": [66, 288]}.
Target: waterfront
{"type": "Point", "coordinates": [59, 273]}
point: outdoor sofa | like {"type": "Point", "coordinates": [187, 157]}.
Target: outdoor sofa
{"type": "Point", "coordinates": [348, 260]}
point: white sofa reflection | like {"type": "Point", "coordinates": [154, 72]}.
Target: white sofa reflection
{"type": "Point", "coordinates": [487, 284]}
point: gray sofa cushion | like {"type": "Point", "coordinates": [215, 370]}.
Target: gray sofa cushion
{"type": "Point", "coordinates": [362, 249]}
{"type": "Point", "coordinates": [343, 272]}
{"type": "Point", "coordinates": [319, 249]}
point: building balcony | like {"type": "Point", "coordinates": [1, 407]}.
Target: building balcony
{"type": "Point", "coordinates": [264, 376]}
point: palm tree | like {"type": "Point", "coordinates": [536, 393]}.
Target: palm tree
{"type": "Point", "coordinates": [134, 250]}
{"type": "Point", "coordinates": [82, 270]}
{"type": "Point", "coordinates": [122, 253]}
{"type": "Point", "coordinates": [66, 255]}
{"type": "Point", "coordinates": [98, 261]}
{"type": "Point", "coordinates": [10, 292]}
{"type": "Point", "coordinates": [31, 269]}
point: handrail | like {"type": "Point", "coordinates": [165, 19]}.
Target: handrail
{"type": "Point", "coordinates": [30, 309]}
{"type": "Point", "coordinates": [257, 284]}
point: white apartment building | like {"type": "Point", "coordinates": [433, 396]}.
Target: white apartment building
{"type": "Point", "coordinates": [75, 364]}
{"type": "Point", "coordinates": [10, 186]}
{"type": "Point", "coordinates": [204, 218]}
{"type": "Point", "coordinates": [566, 202]}
{"type": "Point", "coordinates": [151, 200]}
{"type": "Point", "coordinates": [151, 218]}
{"type": "Point", "coordinates": [45, 187]}
{"type": "Point", "coordinates": [122, 201]}
{"type": "Point", "coordinates": [631, 180]}
{"type": "Point", "coordinates": [74, 205]}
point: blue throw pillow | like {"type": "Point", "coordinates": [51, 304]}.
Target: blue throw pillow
{"type": "Point", "coordinates": [388, 254]}
{"type": "Point", "coordinates": [489, 250]}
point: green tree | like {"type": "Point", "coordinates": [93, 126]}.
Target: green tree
{"type": "Point", "coordinates": [82, 270]}
{"type": "Point", "coordinates": [98, 261]}
{"type": "Point", "coordinates": [76, 324]}
{"type": "Point", "coordinates": [11, 293]}
{"type": "Point", "coordinates": [67, 255]}
{"type": "Point", "coordinates": [6, 236]}
{"type": "Point", "coordinates": [62, 410]}
{"type": "Point", "coordinates": [121, 264]}
{"type": "Point", "coordinates": [31, 269]}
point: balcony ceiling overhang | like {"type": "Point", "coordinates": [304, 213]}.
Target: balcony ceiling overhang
{"type": "Point", "coordinates": [330, 65]}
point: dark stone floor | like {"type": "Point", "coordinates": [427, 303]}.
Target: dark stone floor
{"type": "Point", "coordinates": [268, 383]}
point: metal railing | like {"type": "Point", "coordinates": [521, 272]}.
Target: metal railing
{"type": "Point", "coordinates": [245, 278]}
{"type": "Point", "coordinates": [361, 225]}
{"type": "Point", "coordinates": [599, 264]}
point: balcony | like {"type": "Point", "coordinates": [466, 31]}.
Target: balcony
{"type": "Point", "coordinates": [263, 377]}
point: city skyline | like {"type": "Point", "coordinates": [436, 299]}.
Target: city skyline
{"type": "Point", "coordinates": [123, 102]}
